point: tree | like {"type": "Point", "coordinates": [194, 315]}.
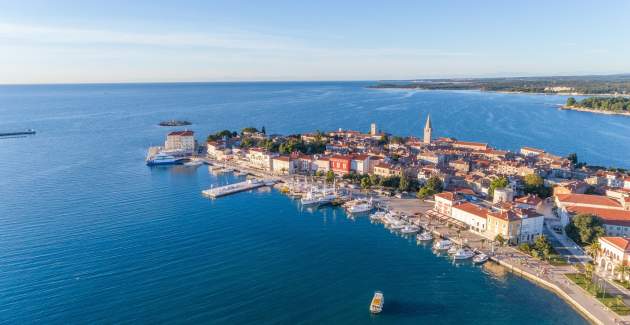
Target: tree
{"type": "Point", "coordinates": [535, 184]}
{"type": "Point", "coordinates": [499, 239]}
{"type": "Point", "coordinates": [571, 101]}
{"type": "Point", "coordinates": [588, 271]}
{"type": "Point", "coordinates": [330, 176]}
{"type": "Point", "coordinates": [585, 228]}
{"type": "Point", "coordinates": [249, 130]}
{"type": "Point", "coordinates": [433, 186]}
{"type": "Point", "coordinates": [365, 183]}
{"type": "Point", "coordinates": [573, 158]}
{"type": "Point", "coordinates": [542, 246]}
{"type": "Point", "coordinates": [263, 130]}
{"type": "Point", "coordinates": [500, 182]}
{"type": "Point", "coordinates": [593, 249]}
{"type": "Point", "coordinates": [404, 184]}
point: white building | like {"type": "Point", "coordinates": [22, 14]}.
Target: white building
{"type": "Point", "coordinates": [503, 195]}
{"type": "Point", "coordinates": [259, 158]}
{"type": "Point", "coordinates": [613, 251]}
{"type": "Point", "coordinates": [472, 215]}
{"type": "Point", "coordinates": [284, 165]}
{"type": "Point", "coordinates": [444, 202]}
{"type": "Point", "coordinates": [183, 141]}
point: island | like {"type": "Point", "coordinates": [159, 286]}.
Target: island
{"type": "Point", "coordinates": [601, 105]}
{"type": "Point", "coordinates": [602, 85]}
{"type": "Point", "coordinates": [175, 123]}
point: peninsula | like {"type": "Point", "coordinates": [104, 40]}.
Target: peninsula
{"type": "Point", "coordinates": [602, 85]}
{"type": "Point", "coordinates": [600, 105]}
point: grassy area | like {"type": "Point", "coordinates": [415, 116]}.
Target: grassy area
{"type": "Point", "coordinates": [607, 299]}
{"type": "Point", "coordinates": [557, 260]}
{"type": "Point", "coordinates": [624, 283]}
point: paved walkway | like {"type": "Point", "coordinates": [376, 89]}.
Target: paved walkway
{"type": "Point", "coordinates": [566, 247]}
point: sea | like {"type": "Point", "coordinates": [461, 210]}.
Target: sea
{"type": "Point", "coordinates": [91, 235]}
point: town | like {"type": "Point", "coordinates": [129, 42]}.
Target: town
{"type": "Point", "coordinates": [546, 207]}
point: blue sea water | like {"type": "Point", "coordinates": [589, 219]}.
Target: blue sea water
{"type": "Point", "coordinates": [89, 234]}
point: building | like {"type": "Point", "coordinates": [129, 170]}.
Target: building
{"type": "Point", "coordinates": [341, 164]}
{"type": "Point", "coordinates": [183, 141]}
{"type": "Point", "coordinates": [383, 169]}
{"type": "Point", "coordinates": [259, 158]}
{"type": "Point", "coordinates": [284, 165]}
{"type": "Point", "coordinates": [503, 195]}
{"type": "Point", "coordinates": [322, 164]}
{"type": "Point", "coordinates": [427, 131]}
{"type": "Point", "coordinates": [613, 252]}
{"type": "Point", "coordinates": [373, 130]}
{"type": "Point", "coordinates": [444, 202]}
{"type": "Point", "coordinates": [360, 164]}
{"type": "Point", "coordinates": [505, 223]}
{"type": "Point", "coordinates": [476, 146]}
{"type": "Point", "coordinates": [530, 152]}
{"type": "Point", "coordinates": [472, 215]}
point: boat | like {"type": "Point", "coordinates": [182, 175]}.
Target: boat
{"type": "Point", "coordinates": [359, 206]}
{"type": "Point", "coordinates": [376, 306]}
{"type": "Point", "coordinates": [424, 236]}
{"type": "Point", "coordinates": [162, 159]}
{"type": "Point", "coordinates": [409, 230]}
{"type": "Point", "coordinates": [10, 134]}
{"type": "Point", "coordinates": [452, 250]}
{"type": "Point", "coordinates": [377, 216]}
{"type": "Point", "coordinates": [480, 258]}
{"type": "Point", "coordinates": [193, 163]}
{"type": "Point", "coordinates": [442, 245]}
{"type": "Point", "coordinates": [463, 254]}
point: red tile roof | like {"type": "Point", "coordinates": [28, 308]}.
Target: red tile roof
{"type": "Point", "coordinates": [473, 209]}
{"type": "Point", "coordinates": [447, 195]}
{"type": "Point", "coordinates": [619, 242]}
{"type": "Point", "coordinates": [588, 199]}
{"type": "Point", "coordinates": [609, 216]}
{"type": "Point", "coordinates": [182, 133]}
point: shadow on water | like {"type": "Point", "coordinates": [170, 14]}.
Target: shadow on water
{"type": "Point", "coordinates": [412, 309]}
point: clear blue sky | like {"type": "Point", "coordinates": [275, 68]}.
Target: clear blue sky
{"type": "Point", "coordinates": [120, 41]}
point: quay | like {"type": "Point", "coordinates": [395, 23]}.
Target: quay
{"type": "Point", "coordinates": [235, 188]}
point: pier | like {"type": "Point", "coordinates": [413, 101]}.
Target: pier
{"type": "Point", "coordinates": [235, 188]}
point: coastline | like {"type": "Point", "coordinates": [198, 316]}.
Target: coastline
{"type": "Point", "coordinates": [595, 111]}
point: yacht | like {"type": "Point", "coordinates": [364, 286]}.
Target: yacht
{"type": "Point", "coordinates": [409, 230]}
{"type": "Point", "coordinates": [162, 159]}
{"type": "Point", "coordinates": [360, 206]}
{"type": "Point", "coordinates": [443, 245]}
{"type": "Point", "coordinates": [377, 216]}
{"type": "Point", "coordinates": [424, 236]}
{"type": "Point", "coordinates": [463, 254]}
{"type": "Point", "coordinates": [452, 250]}
{"type": "Point", "coordinates": [480, 258]}
{"type": "Point", "coordinates": [376, 306]}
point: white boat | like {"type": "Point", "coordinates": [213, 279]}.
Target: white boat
{"type": "Point", "coordinates": [377, 216]}
{"type": "Point", "coordinates": [452, 250]}
{"type": "Point", "coordinates": [443, 245]}
{"type": "Point", "coordinates": [409, 230]}
{"type": "Point", "coordinates": [360, 206]}
{"type": "Point", "coordinates": [376, 306]}
{"type": "Point", "coordinates": [424, 236]}
{"type": "Point", "coordinates": [463, 254]}
{"type": "Point", "coordinates": [162, 159]}
{"type": "Point", "coordinates": [480, 258]}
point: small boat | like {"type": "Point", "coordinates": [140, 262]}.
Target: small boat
{"type": "Point", "coordinates": [409, 230]}
{"type": "Point", "coordinates": [377, 303]}
{"type": "Point", "coordinates": [452, 250]}
{"type": "Point", "coordinates": [360, 206]}
{"type": "Point", "coordinates": [424, 236]}
{"type": "Point", "coordinates": [463, 254]}
{"type": "Point", "coordinates": [480, 258]}
{"type": "Point", "coordinates": [376, 216]}
{"type": "Point", "coordinates": [443, 245]}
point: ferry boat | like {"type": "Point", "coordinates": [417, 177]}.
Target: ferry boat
{"type": "Point", "coordinates": [443, 245]}
{"type": "Point", "coordinates": [463, 254]}
{"type": "Point", "coordinates": [162, 159]}
{"type": "Point", "coordinates": [377, 302]}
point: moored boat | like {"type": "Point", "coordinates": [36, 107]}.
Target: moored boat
{"type": "Point", "coordinates": [480, 258]}
{"type": "Point", "coordinates": [443, 245]}
{"type": "Point", "coordinates": [163, 159]}
{"type": "Point", "coordinates": [409, 230]}
{"type": "Point", "coordinates": [463, 254]}
{"type": "Point", "coordinates": [376, 306]}
{"type": "Point", "coordinates": [424, 236]}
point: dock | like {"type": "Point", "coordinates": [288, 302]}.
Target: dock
{"type": "Point", "coordinates": [247, 185]}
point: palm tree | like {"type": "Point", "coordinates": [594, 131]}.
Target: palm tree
{"type": "Point", "coordinates": [588, 271]}
{"type": "Point", "coordinates": [593, 249]}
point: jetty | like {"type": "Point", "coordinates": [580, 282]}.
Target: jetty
{"type": "Point", "coordinates": [17, 133]}
{"type": "Point", "coordinates": [247, 185]}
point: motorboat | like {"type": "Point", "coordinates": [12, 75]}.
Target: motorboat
{"type": "Point", "coordinates": [463, 254]}
{"type": "Point", "coordinates": [424, 236]}
{"type": "Point", "coordinates": [360, 206]}
{"type": "Point", "coordinates": [452, 250]}
{"type": "Point", "coordinates": [480, 258]}
{"type": "Point", "coordinates": [377, 216]}
{"type": "Point", "coordinates": [409, 230]}
{"type": "Point", "coordinates": [443, 245]}
{"type": "Point", "coordinates": [376, 306]}
{"type": "Point", "coordinates": [162, 159]}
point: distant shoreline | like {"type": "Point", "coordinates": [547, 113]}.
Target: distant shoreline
{"type": "Point", "coordinates": [588, 110]}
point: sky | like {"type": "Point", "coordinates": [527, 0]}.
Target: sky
{"type": "Point", "coordinates": [161, 41]}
